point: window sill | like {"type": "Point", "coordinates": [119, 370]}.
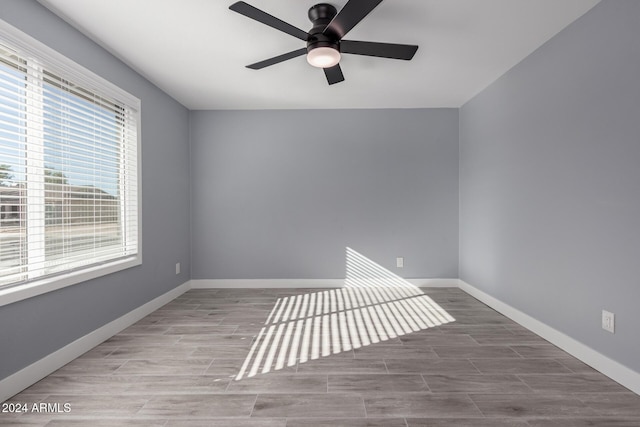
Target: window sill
{"type": "Point", "coordinates": [32, 289]}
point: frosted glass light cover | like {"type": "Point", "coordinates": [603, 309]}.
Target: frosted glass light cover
{"type": "Point", "coordinates": [323, 57]}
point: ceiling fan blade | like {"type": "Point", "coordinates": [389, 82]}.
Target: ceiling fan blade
{"type": "Point", "coordinates": [334, 74]}
{"type": "Point", "coordinates": [263, 17]}
{"type": "Point", "coordinates": [349, 16]}
{"type": "Point", "coordinates": [381, 50]}
{"type": "Point", "coordinates": [278, 59]}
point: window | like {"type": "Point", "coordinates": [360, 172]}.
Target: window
{"type": "Point", "coordinates": [69, 152]}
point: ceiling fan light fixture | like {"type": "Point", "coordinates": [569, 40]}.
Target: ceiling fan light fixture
{"type": "Point", "coordinates": [323, 57]}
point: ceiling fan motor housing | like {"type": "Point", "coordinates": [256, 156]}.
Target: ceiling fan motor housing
{"type": "Point", "coordinates": [321, 15]}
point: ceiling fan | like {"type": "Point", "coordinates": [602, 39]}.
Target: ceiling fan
{"type": "Point", "coordinates": [325, 39]}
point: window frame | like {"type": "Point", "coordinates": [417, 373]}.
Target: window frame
{"type": "Point", "coordinates": [76, 73]}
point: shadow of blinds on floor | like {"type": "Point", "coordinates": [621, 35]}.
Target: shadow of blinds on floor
{"type": "Point", "coordinates": [374, 305]}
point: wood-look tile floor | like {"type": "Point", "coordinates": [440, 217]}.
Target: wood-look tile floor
{"type": "Point", "coordinates": [189, 364]}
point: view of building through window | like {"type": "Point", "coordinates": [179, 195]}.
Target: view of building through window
{"type": "Point", "coordinates": [67, 174]}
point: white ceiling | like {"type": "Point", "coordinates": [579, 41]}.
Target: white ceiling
{"type": "Point", "coordinates": [196, 50]}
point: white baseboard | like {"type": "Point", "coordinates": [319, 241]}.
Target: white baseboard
{"type": "Point", "coordinates": [434, 283]}
{"type": "Point", "coordinates": [609, 367]}
{"type": "Point", "coordinates": [33, 373]}
{"type": "Point", "coordinates": [304, 283]}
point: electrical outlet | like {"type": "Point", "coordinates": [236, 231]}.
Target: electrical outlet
{"type": "Point", "coordinates": [400, 262]}
{"type": "Point", "coordinates": [608, 321]}
{"type": "Point", "coordinates": [177, 268]}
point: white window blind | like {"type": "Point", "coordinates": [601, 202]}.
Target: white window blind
{"type": "Point", "coordinates": [68, 166]}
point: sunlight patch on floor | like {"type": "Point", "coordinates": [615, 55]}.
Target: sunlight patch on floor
{"type": "Point", "coordinates": [374, 305]}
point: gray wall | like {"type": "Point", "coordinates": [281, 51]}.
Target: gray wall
{"type": "Point", "coordinates": [33, 328]}
{"type": "Point", "coordinates": [280, 194]}
{"type": "Point", "coordinates": [550, 182]}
